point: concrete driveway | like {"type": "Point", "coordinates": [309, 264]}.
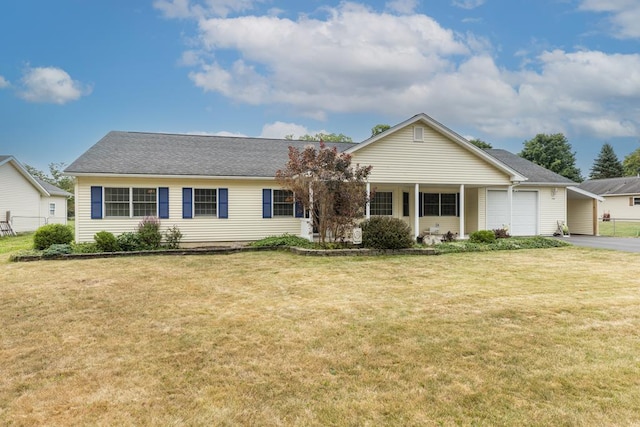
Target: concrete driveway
{"type": "Point", "coordinates": [625, 244]}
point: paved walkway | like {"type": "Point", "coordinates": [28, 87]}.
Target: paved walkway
{"type": "Point", "coordinates": [625, 244]}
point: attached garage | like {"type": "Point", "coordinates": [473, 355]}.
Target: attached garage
{"type": "Point", "coordinates": [524, 216]}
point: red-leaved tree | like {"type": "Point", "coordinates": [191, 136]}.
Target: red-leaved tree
{"type": "Point", "coordinates": [325, 183]}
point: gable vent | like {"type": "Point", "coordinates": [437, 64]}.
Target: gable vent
{"type": "Point", "coordinates": [418, 133]}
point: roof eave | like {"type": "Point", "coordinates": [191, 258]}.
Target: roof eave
{"type": "Point", "coordinates": [442, 129]}
{"type": "Point", "coordinates": [165, 176]}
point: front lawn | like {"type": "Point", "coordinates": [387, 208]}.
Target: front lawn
{"type": "Point", "coordinates": [537, 337]}
{"type": "Point", "coordinates": [620, 228]}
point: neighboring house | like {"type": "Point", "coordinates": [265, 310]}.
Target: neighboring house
{"type": "Point", "coordinates": [217, 188]}
{"type": "Point", "coordinates": [27, 202]}
{"type": "Point", "coordinates": [621, 196]}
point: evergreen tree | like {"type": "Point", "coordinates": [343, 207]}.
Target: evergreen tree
{"type": "Point", "coordinates": [606, 165]}
{"type": "Point", "coordinates": [554, 153]}
{"type": "Point", "coordinates": [480, 143]}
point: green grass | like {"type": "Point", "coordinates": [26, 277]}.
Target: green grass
{"type": "Point", "coordinates": [527, 337]}
{"type": "Point", "coordinates": [22, 241]}
{"type": "Point", "coordinates": [620, 228]}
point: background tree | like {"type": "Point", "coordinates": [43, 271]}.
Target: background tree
{"type": "Point", "coordinates": [338, 190]}
{"type": "Point", "coordinates": [606, 165]}
{"type": "Point", "coordinates": [554, 153]}
{"type": "Point", "coordinates": [57, 178]}
{"type": "Point", "coordinates": [326, 137]}
{"type": "Point", "coordinates": [480, 143]}
{"type": "Point", "coordinates": [631, 163]}
{"type": "Point", "coordinates": [379, 128]}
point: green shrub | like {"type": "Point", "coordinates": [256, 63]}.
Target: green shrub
{"type": "Point", "coordinates": [513, 243]}
{"type": "Point", "coordinates": [57, 249]}
{"type": "Point", "coordinates": [149, 233]}
{"type": "Point", "coordinates": [383, 232]}
{"type": "Point", "coordinates": [172, 237]}
{"type": "Point", "coordinates": [284, 240]}
{"type": "Point", "coordinates": [52, 234]}
{"type": "Point", "coordinates": [106, 242]}
{"type": "Point", "coordinates": [482, 236]}
{"type": "Point", "coordinates": [85, 248]}
{"type": "Point", "coordinates": [128, 242]}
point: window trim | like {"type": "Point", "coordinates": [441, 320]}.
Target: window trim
{"type": "Point", "coordinates": [130, 202]}
{"type": "Point", "coordinates": [193, 199]}
{"type": "Point", "coordinates": [52, 209]}
{"type": "Point", "coordinates": [456, 205]}
{"type": "Point", "coordinates": [636, 201]}
{"type": "Point", "coordinates": [372, 207]}
{"type": "Point", "coordinates": [281, 204]}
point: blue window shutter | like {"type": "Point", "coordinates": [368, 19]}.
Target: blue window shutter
{"type": "Point", "coordinates": [96, 202]}
{"type": "Point", "coordinates": [223, 203]}
{"type": "Point", "coordinates": [420, 204]}
{"type": "Point", "coordinates": [187, 210]}
{"type": "Point", "coordinates": [299, 210]}
{"type": "Point", "coordinates": [266, 203]}
{"type": "Point", "coordinates": [163, 202]}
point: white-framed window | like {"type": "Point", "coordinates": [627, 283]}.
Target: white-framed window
{"type": "Point", "coordinates": [382, 203]}
{"type": "Point", "coordinates": [418, 133]}
{"type": "Point", "coordinates": [440, 204]}
{"type": "Point", "coordinates": [636, 201]}
{"type": "Point", "coordinates": [52, 209]}
{"type": "Point", "coordinates": [283, 203]}
{"type": "Point", "coordinates": [205, 202]}
{"type": "Point", "coordinates": [130, 202]}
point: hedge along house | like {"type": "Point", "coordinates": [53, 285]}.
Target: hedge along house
{"type": "Point", "coordinates": [223, 189]}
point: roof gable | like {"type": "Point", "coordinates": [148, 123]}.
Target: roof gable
{"type": "Point", "coordinates": [450, 135]}
{"type": "Point", "coordinates": [43, 187]}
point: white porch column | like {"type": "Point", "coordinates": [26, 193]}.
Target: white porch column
{"type": "Point", "coordinates": [416, 211]}
{"type": "Point", "coordinates": [510, 206]}
{"type": "Point", "coordinates": [367, 209]}
{"type": "Point", "coordinates": [461, 207]}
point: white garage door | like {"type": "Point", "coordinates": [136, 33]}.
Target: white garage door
{"type": "Point", "coordinates": [525, 212]}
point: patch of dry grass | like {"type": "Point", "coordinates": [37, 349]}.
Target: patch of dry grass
{"type": "Point", "coordinates": [544, 337]}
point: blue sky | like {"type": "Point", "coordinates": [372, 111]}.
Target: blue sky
{"type": "Point", "coordinates": [501, 71]}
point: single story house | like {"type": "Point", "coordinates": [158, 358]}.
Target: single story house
{"type": "Point", "coordinates": [27, 202]}
{"type": "Point", "coordinates": [621, 196]}
{"type": "Point", "coordinates": [219, 188]}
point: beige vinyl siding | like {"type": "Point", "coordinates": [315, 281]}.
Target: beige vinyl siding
{"type": "Point", "coordinates": [245, 222]}
{"type": "Point", "coordinates": [471, 210]}
{"type": "Point", "coordinates": [397, 158]}
{"type": "Point", "coordinates": [580, 216]}
{"type": "Point", "coordinates": [618, 207]}
{"type": "Point", "coordinates": [21, 198]}
{"type": "Point", "coordinates": [552, 208]}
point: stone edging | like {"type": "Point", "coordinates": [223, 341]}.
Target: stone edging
{"type": "Point", "coordinates": [230, 250]}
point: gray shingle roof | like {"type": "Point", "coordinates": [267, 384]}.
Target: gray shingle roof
{"type": "Point", "coordinates": [536, 173]}
{"type": "Point", "coordinates": [196, 155]}
{"type": "Point", "coordinates": [52, 189]}
{"type": "Point", "coordinates": [612, 186]}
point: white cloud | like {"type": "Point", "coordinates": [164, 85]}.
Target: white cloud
{"type": "Point", "coordinates": [468, 4]}
{"type": "Point", "coordinates": [202, 9]}
{"type": "Point", "coordinates": [221, 133]}
{"type": "Point", "coordinates": [402, 6]}
{"type": "Point", "coordinates": [357, 60]}
{"type": "Point", "coordinates": [624, 15]}
{"type": "Point", "coordinates": [3, 83]}
{"type": "Point", "coordinates": [51, 85]}
{"type": "Point", "coordinates": [282, 129]}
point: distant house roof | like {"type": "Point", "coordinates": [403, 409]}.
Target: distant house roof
{"type": "Point", "coordinates": [43, 187]}
{"type": "Point", "coordinates": [536, 174]}
{"type": "Point", "coordinates": [613, 186]}
{"type": "Point", "coordinates": [138, 153]}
